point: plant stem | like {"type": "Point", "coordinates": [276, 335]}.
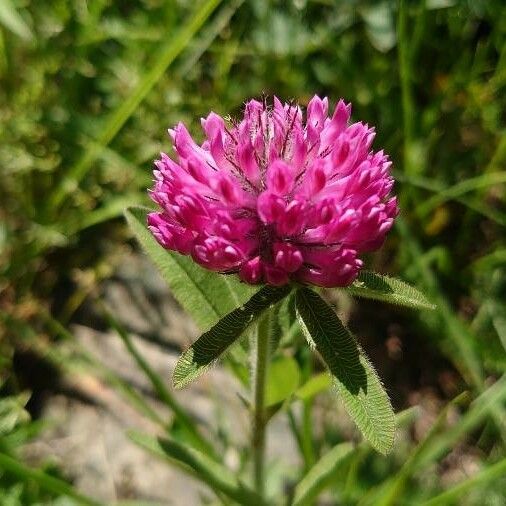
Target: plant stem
{"type": "Point", "coordinates": [307, 435]}
{"type": "Point", "coordinates": [260, 355]}
{"type": "Point", "coordinates": [405, 78]}
{"type": "Point", "coordinates": [307, 409]}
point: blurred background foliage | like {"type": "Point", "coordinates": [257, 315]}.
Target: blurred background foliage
{"type": "Point", "coordinates": [87, 91]}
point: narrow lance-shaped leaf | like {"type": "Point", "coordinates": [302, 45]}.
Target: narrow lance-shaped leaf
{"type": "Point", "coordinates": [213, 343]}
{"type": "Point", "coordinates": [390, 490]}
{"type": "Point", "coordinates": [356, 380]}
{"type": "Point", "coordinates": [206, 296]}
{"type": "Point", "coordinates": [473, 484]}
{"type": "Point", "coordinates": [371, 285]}
{"type": "Point", "coordinates": [199, 465]}
{"type": "Point", "coordinates": [190, 429]}
{"type": "Point", "coordinates": [321, 474]}
{"type": "Point", "coordinates": [24, 473]}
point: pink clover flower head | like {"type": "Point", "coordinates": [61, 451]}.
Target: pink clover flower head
{"type": "Point", "coordinates": [276, 197]}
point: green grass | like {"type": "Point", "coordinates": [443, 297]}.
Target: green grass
{"type": "Point", "coordinates": [87, 92]}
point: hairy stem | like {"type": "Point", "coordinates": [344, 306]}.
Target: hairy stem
{"type": "Point", "coordinates": [260, 355]}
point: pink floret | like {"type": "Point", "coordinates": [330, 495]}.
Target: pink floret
{"type": "Point", "coordinates": [276, 198]}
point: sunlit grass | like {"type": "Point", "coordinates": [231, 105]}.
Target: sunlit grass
{"type": "Point", "coordinates": [86, 94]}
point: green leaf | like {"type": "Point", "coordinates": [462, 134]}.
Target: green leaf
{"type": "Point", "coordinates": [438, 187]}
{"type": "Point", "coordinates": [283, 378]}
{"type": "Point", "coordinates": [440, 438]}
{"type": "Point", "coordinates": [356, 380]}
{"type": "Point", "coordinates": [43, 480]}
{"type": "Point", "coordinates": [390, 491]}
{"type": "Point", "coordinates": [12, 20]}
{"type": "Point", "coordinates": [199, 465]}
{"type": "Point", "coordinates": [189, 427]}
{"type": "Point", "coordinates": [322, 474]}
{"type": "Point", "coordinates": [484, 405]}
{"type": "Point", "coordinates": [205, 295]}
{"type": "Point", "coordinates": [371, 285]}
{"type": "Point", "coordinates": [472, 484]}
{"type": "Point", "coordinates": [84, 359]}
{"type": "Point", "coordinates": [213, 343]}
{"type": "Point", "coordinates": [486, 180]}
{"type": "Point", "coordinates": [13, 412]}
{"type": "Point", "coordinates": [462, 350]}
{"type": "Point", "coordinates": [313, 386]}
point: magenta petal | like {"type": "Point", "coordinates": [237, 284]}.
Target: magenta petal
{"type": "Point", "coordinates": [287, 257]}
{"type": "Point", "coordinates": [213, 125]}
{"type": "Point", "coordinates": [252, 271]}
{"type": "Point", "coordinates": [292, 219]}
{"type": "Point", "coordinates": [248, 163]}
{"type": "Point", "coordinates": [275, 198]}
{"type": "Point", "coordinates": [280, 178]}
{"type": "Point", "coordinates": [317, 112]}
{"type": "Point", "coordinates": [270, 207]}
{"type": "Point", "coordinates": [275, 276]}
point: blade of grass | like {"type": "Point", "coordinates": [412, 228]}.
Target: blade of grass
{"type": "Point", "coordinates": [111, 209]}
{"type": "Point", "coordinates": [322, 473]}
{"type": "Point", "coordinates": [44, 480]}
{"type": "Point", "coordinates": [437, 187]}
{"type": "Point", "coordinates": [208, 35]}
{"type": "Point", "coordinates": [175, 44]}
{"type": "Point", "coordinates": [297, 435]}
{"type": "Point", "coordinates": [307, 423]}
{"type": "Point", "coordinates": [488, 474]}
{"type": "Point", "coordinates": [438, 442]}
{"type": "Point", "coordinates": [351, 492]}
{"type": "Point", "coordinates": [219, 478]}
{"type": "Point", "coordinates": [12, 20]}
{"type": "Point", "coordinates": [486, 403]}
{"type": "Point", "coordinates": [136, 400]}
{"type": "Point", "coordinates": [470, 367]}
{"type": "Point", "coordinates": [304, 435]}
{"type": "Point", "coordinates": [493, 259]}
{"type": "Point", "coordinates": [499, 156]}
{"type": "Point", "coordinates": [187, 424]}
{"type": "Point", "coordinates": [408, 110]}
{"type": "Point", "coordinates": [458, 190]}
{"type": "Point", "coordinates": [4, 62]}
{"type": "Point", "coordinates": [308, 445]}
{"type": "Point", "coordinates": [392, 489]}
{"type": "Point", "coordinates": [458, 333]}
